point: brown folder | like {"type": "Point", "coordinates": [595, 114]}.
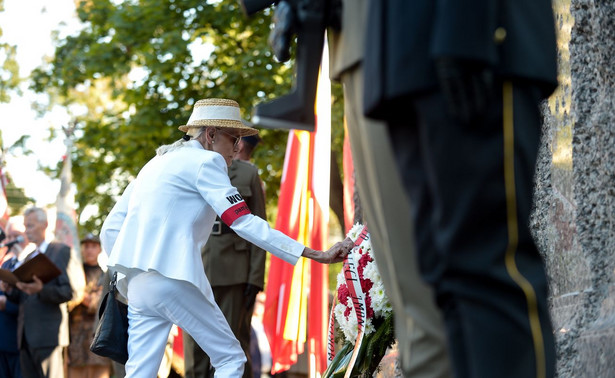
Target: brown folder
{"type": "Point", "coordinates": [39, 266]}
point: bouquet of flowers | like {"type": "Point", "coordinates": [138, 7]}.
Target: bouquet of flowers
{"type": "Point", "coordinates": [363, 313]}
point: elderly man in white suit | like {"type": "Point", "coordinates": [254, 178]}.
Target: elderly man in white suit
{"type": "Point", "coordinates": [157, 228]}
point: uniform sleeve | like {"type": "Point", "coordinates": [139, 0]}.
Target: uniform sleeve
{"type": "Point", "coordinates": [114, 221]}
{"type": "Point", "coordinates": [215, 186]}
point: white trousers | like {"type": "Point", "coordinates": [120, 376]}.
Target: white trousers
{"type": "Point", "coordinates": [155, 303]}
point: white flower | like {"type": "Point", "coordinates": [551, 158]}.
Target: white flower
{"type": "Point", "coordinates": [379, 301]}
{"type": "Point", "coordinates": [340, 278]}
{"type": "Point", "coordinates": [355, 231]}
{"type": "Point", "coordinates": [371, 272]}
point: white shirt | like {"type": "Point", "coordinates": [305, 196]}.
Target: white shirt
{"type": "Point", "coordinates": [166, 215]}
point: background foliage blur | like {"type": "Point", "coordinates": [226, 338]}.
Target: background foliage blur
{"type": "Point", "coordinates": [9, 81]}
{"type": "Point", "coordinates": [130, 76]}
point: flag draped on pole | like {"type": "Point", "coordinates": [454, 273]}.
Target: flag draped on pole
{"type": "Point", "coordinates": [66, 225]}
{"type": "Point", "coordinates": [290, 320]}
{"type": "Point", "coordinates": [66, 217]}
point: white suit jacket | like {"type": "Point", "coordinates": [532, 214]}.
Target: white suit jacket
{"type": "Point", "coordinates": [166, 215]}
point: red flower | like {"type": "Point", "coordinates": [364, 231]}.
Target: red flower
{"type": "Point", "coordinates": [363, 261]}
{"type": "Point", "coordinates": [368, 305]}
{"type": "Point", "coordinates": [343, 294]}
{"type": "Point", "coordinates": [366, 284]}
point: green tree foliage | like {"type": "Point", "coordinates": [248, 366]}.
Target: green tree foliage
{"type": "Point", "coordinates": [135, 70]}
{"type": "Point", "coordinates": [15, 196]}
{"type": "Point", "coordinates": [9, 69]}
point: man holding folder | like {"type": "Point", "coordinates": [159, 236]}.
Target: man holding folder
{"type": "Point", "coordinates": [42, 329]}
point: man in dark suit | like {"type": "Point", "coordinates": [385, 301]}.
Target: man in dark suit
{"type": "Point", "coordinates": [234, 267]}
{"type": "Point", "coordinates": [459, 85]}
{"type": "Point", "coordinates": [42, 331]}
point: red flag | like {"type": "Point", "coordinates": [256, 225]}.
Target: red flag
{"type": "Point", "coordinates": [303, 214]}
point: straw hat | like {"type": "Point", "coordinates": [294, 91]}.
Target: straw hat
{"type": "Point", "coordinates": [217, 112]}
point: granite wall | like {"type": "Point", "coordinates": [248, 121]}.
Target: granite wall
{"type": "Point", "coordinates": [574, 217]}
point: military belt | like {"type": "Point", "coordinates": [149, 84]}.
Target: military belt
{"type": "Point", "coordinates": [220, 228]}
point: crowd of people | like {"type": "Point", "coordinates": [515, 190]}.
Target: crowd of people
{"type": "Point", "coordinates": [45, 335]}
{"type": "Point", "coordinates": [206, 184]}
{"type": "Point", "coordinates": [444, 143]}
{"type": "Point", "coordinates": [45, 332]}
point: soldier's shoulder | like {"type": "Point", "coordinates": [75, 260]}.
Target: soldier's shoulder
{"type": "Point", "coordinates": [244, 165]}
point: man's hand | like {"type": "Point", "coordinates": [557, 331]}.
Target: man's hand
{"type": "Point", "coordinates": [2, 302]}
{"type": "Point", "coordinates": [467, 87]}
{"type": "Point", "coordinates": [32, 287]}
{"type": "Point", "coordinates": [335, 254]}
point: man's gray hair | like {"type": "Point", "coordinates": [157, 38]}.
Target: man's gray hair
{"type": "Point", "coordinates": [41, 214]}
{"type": "Point", "coordinates": [178, 144]}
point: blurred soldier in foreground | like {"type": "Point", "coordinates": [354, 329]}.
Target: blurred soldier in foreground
{"type": "Point", "coordinates": [459, 85]}
{"type": "Point", "coordinates": [418, 324]}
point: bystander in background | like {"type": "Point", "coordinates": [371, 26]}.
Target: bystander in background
{"type": "Point", "coordinates": [81, 362]}
{"type": "Point", "coordinates": [42, 327]}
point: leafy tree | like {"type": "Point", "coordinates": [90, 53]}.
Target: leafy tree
{"type": "Point", "coordinates": [131, 75]}
{"type": "Point", "coordinates": [9, 69]}
{"type": "Point", "coordinates": [15, 196]}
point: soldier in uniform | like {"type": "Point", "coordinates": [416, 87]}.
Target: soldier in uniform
{"type": "Point", "coordinates": [418, 325]}
{"type": "Point", "coordinates": [459, 85]}
{"type": "Point", "coordinates": [235, 268]}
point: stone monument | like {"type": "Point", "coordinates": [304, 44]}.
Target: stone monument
{"type": "Point", "coordinates": [574, 215]}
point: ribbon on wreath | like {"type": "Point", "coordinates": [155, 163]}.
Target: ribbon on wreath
{"type": "Point", "coordinates": [351, 275]}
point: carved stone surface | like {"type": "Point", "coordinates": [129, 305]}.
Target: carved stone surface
{"type": "Point", "coordinates": [574, 216]}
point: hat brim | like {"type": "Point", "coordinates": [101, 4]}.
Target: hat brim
{"type": "Point", "coordinates": [242, 129]}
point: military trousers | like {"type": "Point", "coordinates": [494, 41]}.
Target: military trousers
{"type": "Point", "coordinates": [472, 185]}
{"type": "Point", "coordinates": [418, 324]}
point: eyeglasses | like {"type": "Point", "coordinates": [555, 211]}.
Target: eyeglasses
{"type": "Point", "coordinates": [236, 138]}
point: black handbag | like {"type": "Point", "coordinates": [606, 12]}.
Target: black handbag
{"type": "Point", "coordinates": [111, 336]}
